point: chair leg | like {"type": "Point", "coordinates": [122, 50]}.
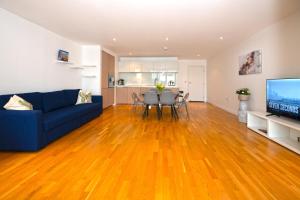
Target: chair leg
{"type": "Point", "coordinates": [178, 107]}
{"type": "Point", "coordinates": [134, 107]}
{"type": "Point", "coordinates": [187, 110]}
{"type": "Point", "coordinates": [158, 112]}
{"type": "Point", "coordinates": [175, 112]}
{"type": "Point", "coordinates": [145, 112]}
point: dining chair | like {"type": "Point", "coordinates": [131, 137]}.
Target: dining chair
{"type": "Point", "coordinates": [136, 101]}
{"type": "Point", "coordinates": [152, 90]}
{"type": "Point", "coordinates": [184, 102]}
{"type": "Point", "coordinates": [168, 99]}
{"type": "Point", "coordinates": [151, 99]}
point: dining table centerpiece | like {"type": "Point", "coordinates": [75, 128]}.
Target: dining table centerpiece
{"type": "Point", "coordinates": [160, 87]}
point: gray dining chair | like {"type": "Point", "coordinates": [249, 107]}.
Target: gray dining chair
{"type": "Point", "coordinates": [184, 102]}
{"type": "Point", "coordinates": [151, 99]}
{"type": "Point", "coordinates": [152, 90]}
{"type": "Point", "coordinates": [136, 101]}
{"type": "Point", "coordinates": [168, 99]}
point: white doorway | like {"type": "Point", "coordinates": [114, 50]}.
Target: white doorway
{"type": "Point", "coordinates": [196, 82]}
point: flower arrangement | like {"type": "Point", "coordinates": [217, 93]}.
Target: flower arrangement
{"type": "Point", "coordinates": [243, 91]}
{"type": "Point", "coordinates": [160, 87]}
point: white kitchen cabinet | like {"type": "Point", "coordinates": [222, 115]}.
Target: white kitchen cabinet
{"type": "Point", "coordinates": [159, 67]}
{"type": "Point", "coordinates": [163, 67]}
{"type": "Point", "coordinates": [137, 67]}
{"type": "Point", "coordinates": [131, 66]}
{"type": "Point", "coordinates": [155, 67]}
{"type": "Point", "coordinates": [148, 66]}
{"type": "Point", "coordinates": [124, 67]}
{"type": "Point", "coordinates": [172, 67]}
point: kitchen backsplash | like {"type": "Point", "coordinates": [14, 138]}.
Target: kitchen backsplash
{"type": "Point", "coordinates": [150, 78]}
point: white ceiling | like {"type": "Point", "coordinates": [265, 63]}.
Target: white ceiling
{"type": "Point", "coordinates": [141, 26]}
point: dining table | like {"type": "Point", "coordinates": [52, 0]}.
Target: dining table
{"type": "Point", "coordinates": [179, 94]}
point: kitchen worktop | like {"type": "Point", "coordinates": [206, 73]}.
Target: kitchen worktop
{"type": "Point", "coordinates": [124, 93]}
{"type": "Point", "coordinates": [146, 86]}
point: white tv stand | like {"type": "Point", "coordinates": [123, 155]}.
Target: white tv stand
{"type": "Point", "coordinates": [281, 130]}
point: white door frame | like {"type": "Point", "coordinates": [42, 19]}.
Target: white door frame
{"type": "Point", "coordinates": [183, 74]}
{"type": "Point", "coordinates": [202, 69]}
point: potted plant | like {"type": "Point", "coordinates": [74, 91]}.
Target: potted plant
{"type": "Point", "coordinates": [160, 87]}
{"type": "Point", "coordinates": [244, 94]}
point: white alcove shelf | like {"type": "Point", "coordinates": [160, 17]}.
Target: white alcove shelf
{"type": "Point", "coordinates": [89, 66]}
{"type": "Point", "coordinates": [89, 76]}
{"type": "Point", "coordinates": [76, 67]}
{"type": "Point", "coordinates": [64, 62]}
{"type": "Point", "coordinates": [281, 130]}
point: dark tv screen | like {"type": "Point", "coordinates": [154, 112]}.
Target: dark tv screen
{"type": "Point", "coordinates": [283, 97]}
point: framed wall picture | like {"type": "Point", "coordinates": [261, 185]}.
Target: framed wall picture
{"type": "Point", "coordinates": [250, 63]}
{"type": "Point", "coordinates": [63, 56]}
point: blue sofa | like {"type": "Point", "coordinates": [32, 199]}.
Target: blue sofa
{"type": "Point", "coordinates": [54, 114]}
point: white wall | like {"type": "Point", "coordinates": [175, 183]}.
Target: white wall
{"type": "Point", "coordinates": [182, 77]}
{"type": "Point", "coordinates": [280, 45]}
{"type": "Point", "coordinates": [91, 56]}
{"type": "Point", "coordinates": [28, 57]}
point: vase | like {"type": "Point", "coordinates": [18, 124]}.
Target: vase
{"type": "Point", "coordinates": [243, 108]}
{"type": "Point", "coordinates": [243, 97]}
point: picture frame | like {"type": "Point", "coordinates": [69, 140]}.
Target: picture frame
{"type": "Point", "coordinates": [63, 55]}
{"type": "Point", "coordinates": [250, 63]}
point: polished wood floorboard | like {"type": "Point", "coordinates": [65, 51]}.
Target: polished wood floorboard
{"type": "Point", "coordinates": [121, 156]}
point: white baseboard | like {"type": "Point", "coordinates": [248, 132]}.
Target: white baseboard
{"type": "Point", "coordinates": [224, 108]}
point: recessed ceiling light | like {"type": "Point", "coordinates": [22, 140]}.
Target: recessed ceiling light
{"type": "Point", "coordinates": [114, 39]}
{"type": "Point", "coordinates": [221, 38]}
{"type": "Point", "coordinates": [167, 38]}
{"type": "Point", "coordinates": [165, 48]}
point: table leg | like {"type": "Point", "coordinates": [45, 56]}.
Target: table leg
{"type": "Point", "coordinates": [158, 112]}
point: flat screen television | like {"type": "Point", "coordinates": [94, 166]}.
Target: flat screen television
{"type": "Point", "coordinates": [283, 97]}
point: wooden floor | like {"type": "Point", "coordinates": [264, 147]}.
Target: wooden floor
{"type": "Point", "coordinates": [121, 156]}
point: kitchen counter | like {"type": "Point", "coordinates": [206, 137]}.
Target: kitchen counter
{"type": "Point", "coordinates": [124, 93]}
{"type": "Point", "coordinates": [144, 86]}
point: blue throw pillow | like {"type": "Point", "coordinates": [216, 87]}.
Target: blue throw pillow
{"type": "Point", "coordinates": [71, 96]}
{"type": "Point", "coordinates": [54, 100]}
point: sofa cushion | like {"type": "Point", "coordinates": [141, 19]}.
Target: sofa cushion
{"type": "Point", "coordinates": [35, 98]}
{"type": "Point", "coordinates": [54, 100]}
{"type": "Point", "coordinates": [71, 96]}
{"type": "Point", "coordinates": [58, 117]}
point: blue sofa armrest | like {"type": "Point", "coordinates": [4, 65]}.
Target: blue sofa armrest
{"type": "Point", "coordinates": [21, 130]}
{"type": "Point", "coordinates": [97, 99]}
